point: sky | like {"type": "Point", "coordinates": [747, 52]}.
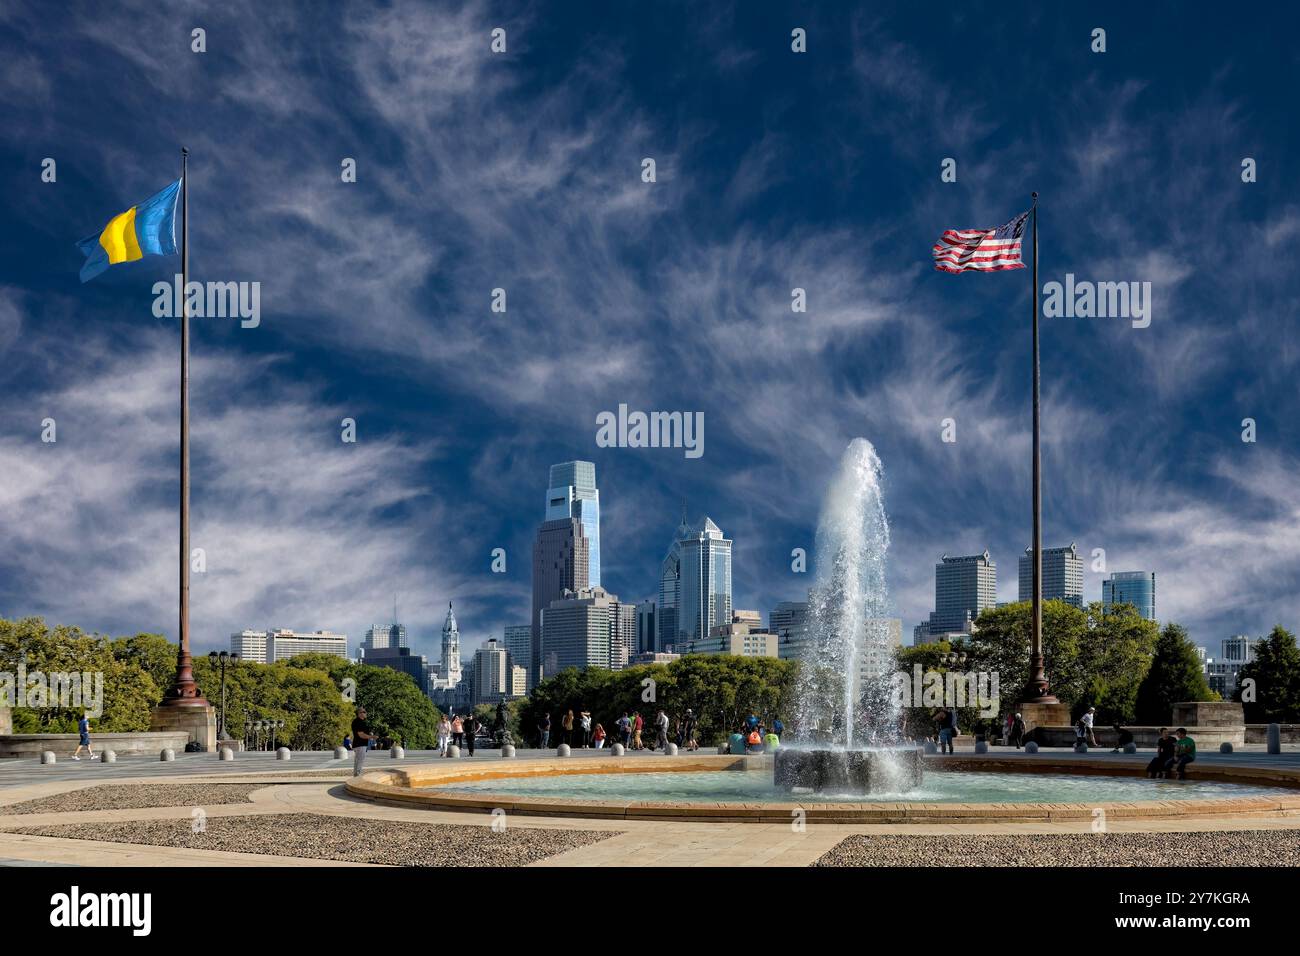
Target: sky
{"type": "Point", "coordinates": [522, 170]}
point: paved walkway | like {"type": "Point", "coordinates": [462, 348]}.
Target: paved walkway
{"type": "Point", "coordinates": [313, 783]}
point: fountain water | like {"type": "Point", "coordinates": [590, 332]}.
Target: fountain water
{"type": "Point", "coordinates": [844, 705]}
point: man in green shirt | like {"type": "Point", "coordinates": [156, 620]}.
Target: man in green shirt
{"type": "Point", "coordinates": [1184, 753]}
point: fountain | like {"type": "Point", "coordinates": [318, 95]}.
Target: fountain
{"type": "Point", "coordinates": [846, 716]}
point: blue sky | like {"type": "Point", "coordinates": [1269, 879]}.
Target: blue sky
{"type": "Point", "coordinates": [522, 171]}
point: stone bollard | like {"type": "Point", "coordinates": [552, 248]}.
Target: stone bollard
{"type": "Point", "coordinates": [671, 750]}
{"type": "Point", "coordinates": [227, 754]}
{"type": "Point", "coordinates": [1225, 747]}
{"type": "Point", "coordinates": [397, 753]}
{"type": "Point", "coordinates": [1130, 748]}
{"type": "Point", "coordinates": [108, 756]}
{"type": "Point", "coordinates": [453, 751]}
{"type": "Point", "coordinates": [1031, 747]}
{"type": "Point", "coordinates": [48, 757]}
{"type": "Point", "coordinates": [507, 751]}
{"type": "Point", "coordinates": [167, 755]}
{"type": "Point", "coordinates": [1274, 738]}
{"type": "Point", "coordinates": [282, 753]}
{"type": "Point", "coordinates": [562, 750]}
{"type": "Point", "coordinates": [981, 746]}
{"type": "Point", "coordinates": [340, 753]}
{"type": "Point", "coordinates": [930, 748]}
{"type": "Point", "coordinates": [616, 750]}
{"type": "Point", "coordinates": [723, 751]}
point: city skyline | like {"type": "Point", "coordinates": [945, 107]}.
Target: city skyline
{"type": "Point", "coordinates": [778, 173]}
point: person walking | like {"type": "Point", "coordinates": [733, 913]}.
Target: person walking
{"type": "Point", "coordinates": [1086, 720]}
{"type": "Point", "coordinates": [444, 735]}
{"type": "Point", "coordinates": [638, 722]}
{"type": "Point", "coordinates": [362, 736]}
{"type": "Point", "coordinates": [599, 737]}
{"type": "Point", "coordinates": [688, 731]}
{"type": "Point", "coordinates": [1017, 736]}
{"type": "Point", "coordinates": [661, 728]}
{"type": "Point", "coordinates": [544, 731]}
{"type": "Point", "coordinates": [624, 725]}
{"type": "Point", "coordinates": [470, 727]}
{"type": "Point", "coordinates": [457, 731]}
{"type": "Point", "coordinates": [566, 722]}
{"type": "Point", "coordinates": [585, 722]}
{"type": "Point", "coordinates": [83, 737]}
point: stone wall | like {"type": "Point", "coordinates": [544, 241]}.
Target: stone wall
{"type": "Point", "coordinates": [33, 745]}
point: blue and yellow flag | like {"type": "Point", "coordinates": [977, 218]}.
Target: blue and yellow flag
{"type": "Point", "coordinates": [146, 229]}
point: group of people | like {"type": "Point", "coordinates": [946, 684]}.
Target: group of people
{"type": "Point", "coordinates": [1173, 754]}
{"type": "Point", "coordinates": [459, 732]}
{"type": "Point", "coordinates": [757, 737]}
{"type": "Point", "coordinates": [580, 730]}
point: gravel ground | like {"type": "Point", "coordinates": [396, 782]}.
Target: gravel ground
{"type": "Point", "coordinates": [1218, 848]}
{"type": "Point", "coordinates": [321, 837]}
{"type": "Point", "coordinates": [137, 797]}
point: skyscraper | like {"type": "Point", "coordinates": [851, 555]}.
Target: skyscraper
{"type": "Point", "coordinates": [572, 494]}
{"type": "Point", "coordinates": [647, 630]}
{"type": "Point", "coordinates": [705, 581]}
{"type": "Point", "coordinates": [1131, 587]}
{"type": "Point", "coordinates": [560, 563]}
{"type": "Point", "coordinates": [492, 673]}
{"type": "Point", "coordinates": [1062, 575]}
{"type": "Point", "coordinates": [786, 615]}
{"type": "Point", "coordinates": [382, 636]}
{"type": "Point", "coordinates": [670, 591]}
{"type": "Point", "coordinates": [519, 645]}
{"type": "Point", "coordinates": [963, 587]}
{"type": "Point", "coordinates": [577, 628]}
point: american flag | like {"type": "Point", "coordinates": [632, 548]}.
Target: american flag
{"type": "Point", "coordinates": [983, 250]}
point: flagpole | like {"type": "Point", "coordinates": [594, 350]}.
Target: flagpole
{"type": "Point", "coordinates": [1036, 690]}
{"type": "Point", "coordinates": [184, 692]}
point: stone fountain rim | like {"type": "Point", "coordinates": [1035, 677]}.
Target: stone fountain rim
{"type": "Point", "coordinates": [417, 786]}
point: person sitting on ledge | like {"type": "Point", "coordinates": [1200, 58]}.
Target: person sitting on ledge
{"type": "Point", "coordinates": [754, 744]}
{"type": "Point", "coordinates": [1165, 747]}
{"type": "Point", "coordinates": [1122, 738]}
{"type": "Point", "coordinates": [1184, 753]}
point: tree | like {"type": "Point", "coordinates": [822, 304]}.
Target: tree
{"type": "Point", "coordinates": [1175, 675]}
{"type": "Point", "coordinates": [153, 654]}
{"type": "Point", "coordinates": [1275, 673]}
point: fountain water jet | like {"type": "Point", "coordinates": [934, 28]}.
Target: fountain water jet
{"type": "Point", "coordinates": [844, 704]}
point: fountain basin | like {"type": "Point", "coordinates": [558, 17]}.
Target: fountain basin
{"type": "Point", "coordinates": [884, 770]}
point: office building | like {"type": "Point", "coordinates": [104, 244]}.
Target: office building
{"type": "Point", "coordinates": [1238, 649]}
{"type": "Point", "coordinates": [963, 587]}
{"type": "Point", "coordinates": [518, 642]}
{"type": "Point", "coordinates": [560, 565]}
{"type": "Point", "coordinates": [654, 657]}
{"type": "Point", "coordinates": [743, 636]}
{"type": "Point", "coordinates": [647, 630]}
{"type": "Point", "coordinates": [280, 644]}
{"type": "Point", "coordinates": [1062, 575]}
{"type": "Point", "coordinates": [492, 673]}
{"type": "Point", "coordinates": [577, 629]}
{"type": "Point", "coordinates": [383, 636]}
{"type": "Point", "coordinates": [402, 659]}
{"type": "Point", "coordinates": [572, 494]}
{"type": "Point", "coordinates": [1131, 587]}
{"type": "Point", "coordinates": [704, 581]}
{"type": "Point", "coordinates": [787, 614]}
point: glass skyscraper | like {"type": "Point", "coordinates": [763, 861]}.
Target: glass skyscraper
{"type": "Point", "coordinates": [571, 493]}
{"type": "Point", "coordinates": [1131, 587]}
{"type": "Point", "coordinates": [704, 582]}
